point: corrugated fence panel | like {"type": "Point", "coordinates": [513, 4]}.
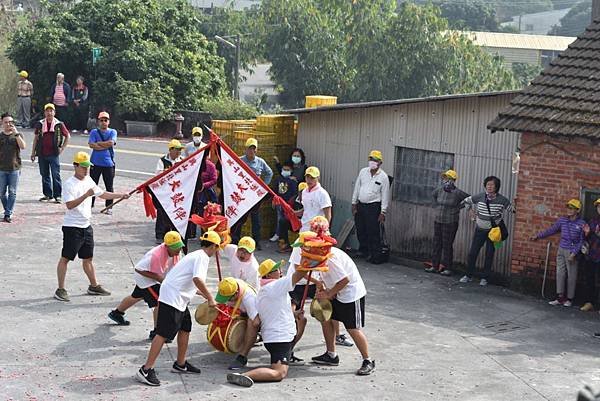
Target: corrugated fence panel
{"type": "Point", "coordinates": [461, 122]}
{"type": "Point", "coordinates": [424, 125]}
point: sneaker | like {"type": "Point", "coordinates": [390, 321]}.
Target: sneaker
{"type": "Point", "coordinates": [483, 282]}
{"type": "Point", "coordinates": [556, 302]}
{"type": "Point", "coordinates": [186, 368]}
{"type": "Point", "coordinates": [465, 279]}
{"type": "Point", "coordinates": [7, 219]}
{"type": "Point", "coordinates": [367, 368]}
{"type": "Point", "coordinates": [431, 270]}
{"type": "Point", "coordinates": [118, 318]}
{"type": "Point", "coordinates": [587, 307]}
{"type": "Point", "coordinates": [239, 379]}
{"type": "Point", "coordinates": [446, 272]}
{"type": "Point", "coordinates": [343, 340]}
{"type": "Point", "coordinates": [45, 198]}
{"type": "Point", "coordinates": [597, 335]}
{"type": "Point", "coordinates": [62, 295]}
{"type": "Point", "coordinates": [325, 359]}
{"type": "Point", "coordinates": [147, 377]}
{"type": "Point", "coordinates": [58, 199]}
{"type": "Point", "coordinates": [295, 361]}
{"type": "Point", "coordinates": [274, 238]}
{"type": "Point", "coordinates": [567, 303]}
{"type": "Point", "coordinates": [239, 362]}
{"type": "Point", "coordinates": [97, 290]}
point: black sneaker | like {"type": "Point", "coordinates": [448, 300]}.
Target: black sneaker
{"type": "Point", "coordinates": [325, 359]}
{"type": "Point", "coordinates": [367, 368]}
{"type": "Point", "coordinates": [186, 368]}
{"type": "Point", "coordinates": [295, 361]}
{"type": "Point", "coordinates": [239, 362]}
{"type": "Point", "coordinates": [147, 377]}
{"type": "Point", "coordinates": [118, 318]}
{"type": "Point", "coordinates": [239, 379]}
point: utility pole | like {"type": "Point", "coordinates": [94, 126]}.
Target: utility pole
{"type": "Point", "coordinates": [595, 10]}
{"type": "Point", "coordinates": [236, 88]}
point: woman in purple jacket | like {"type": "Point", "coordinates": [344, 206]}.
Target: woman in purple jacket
{"type": "Point", "coordinates": [571, 229]}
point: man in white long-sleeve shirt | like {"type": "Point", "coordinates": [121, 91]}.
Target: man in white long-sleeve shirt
{"type": "Point", "coordinates": [370, 201]}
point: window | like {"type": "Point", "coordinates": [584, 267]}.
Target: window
{"type": "Point", "coordinates": [589, 196]}
{"type": "Point", "coordinates": [417, 173]}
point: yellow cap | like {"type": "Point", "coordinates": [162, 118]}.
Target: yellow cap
{"type": "Point", "coordinates": [597, 202]}
{"type": "Point", "coordinates": [319, 224]}
{"type": "Point", "coordinates": [251, 142]}
{"type": "Point", "coordinates": [450, 174]}
{"type": "Point", "coordinates": [82, 159]}
{"type": "Point", "coordinates": [495, 235]}
{"type": "Point", "coordinates": [574, 203]}
{"type": "Point", "coordinates": [375, 154]}
{"type": "Point", "coordinates": [175, 144]}
{"type": "Point", "coordinates": [23, 74]}
{"type": "Point", "coordinates": [196, 131]}
{"type": "Point", "coordinates": [247, 243]}
{"type": "Point", "coordinates": [49, 106]}
{"type": "Point", "coordinates": [268, 266]}
{"type": "Point", "coordinates": [211, 236]}
{"type": "Point", "coordinates": [172, 239]}
{"type": "Point", "coordinates": [313, 172]}
{"type": "Point", "coordinates": [302, 186]}
{"type": "Point", "coordinates": [227, 289]}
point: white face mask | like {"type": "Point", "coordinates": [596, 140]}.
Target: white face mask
{"type": "Point", "coordinates": [373, 165]}
{"type": "Point", "coordinates": [285, 173]}
{"type": "Point", "coordinates": [197, 140]}
{"type": "Point", "coordinates": [296, 159]}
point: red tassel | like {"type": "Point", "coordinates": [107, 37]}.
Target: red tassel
{"type": "Point", "coordinates": [288, 211]}
{"type": "Point", "coordinates": [148, 205]}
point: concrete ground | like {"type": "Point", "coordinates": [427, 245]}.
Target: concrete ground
{"type": "Point", "coordinates": [432, 338]}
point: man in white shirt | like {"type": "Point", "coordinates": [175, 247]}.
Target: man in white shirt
{"type": "Point", "coordinates": [242, 263]}
{"type": "Point", "coordinates": [78, 236]}
{"type": "Point", "coordinates": [315, 199]}
{"type": "Point", "coordinates": [370, 201]}
{"type": "Point", "coordinates": [178, 288]}
{"type": "Point", "coordinates": [278, 325]}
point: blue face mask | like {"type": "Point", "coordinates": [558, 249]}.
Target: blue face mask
{"type": "Point", "coordinates": [296, 159]}
{"type": "Point", "coordinates": [286, 173]}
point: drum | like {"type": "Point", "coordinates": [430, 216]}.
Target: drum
{"type": "Point", "coordinates": [229, 337]}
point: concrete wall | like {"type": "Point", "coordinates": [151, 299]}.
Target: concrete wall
{"type": "Point", "coordinates": [338, 142]}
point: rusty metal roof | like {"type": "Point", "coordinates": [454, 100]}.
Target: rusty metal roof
{"type": "Point", "coordinates": [565, 98]}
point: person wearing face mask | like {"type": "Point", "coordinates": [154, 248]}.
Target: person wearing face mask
{"type": "Point", "coordinates": [196, 143]}
{"type": "Point", "coordinates": [287, 188]}
{"type": "Point", "coordinates": [370, 201]}
{"type": "Point", "coordinates": [298, 162]}
{"type": "Point", "coordinates": [447, 201]}
{"type": "Point", "coordinates": [487, 210]}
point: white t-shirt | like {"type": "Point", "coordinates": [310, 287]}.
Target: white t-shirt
{"type": "Point", "coordinates": [295, 259]}
{"type": "Point", "coordinates": [145, 264]}
{"type": "Point", "coordinates": [178, 287]}
{"type": "Point", "coordinates": [341, 265]}
{"type": "Point", "coordinates": [248, 303]}
{"type": "Point", "coordinates": [246, 271]}
{"type": "Point", "coordinates": [313, 202]}
{"type": "Point", "coordinates": [275, 309]}
{"type": "Point", "coordinates": [72, 189]}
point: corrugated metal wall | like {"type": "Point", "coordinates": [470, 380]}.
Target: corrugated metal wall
{"type": "Point", "coordinates": [529, 56]}
{"type": "Point", "coordinates": [338, 142]}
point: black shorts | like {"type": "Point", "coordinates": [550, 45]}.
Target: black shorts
{"type": "Point", "coordinates": [298, 292]}
{"type": "Point", "coordinates": [280, 352]}
{"type": "Point", "coordinates": [150, 294]}
{"type": "Point", "coordinates": [77, 242]}
{"type": "Point", "coordinates": [171, 321]}
{"type": "Point", "coordinates": [351, 314]}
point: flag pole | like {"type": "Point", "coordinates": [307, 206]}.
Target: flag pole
{"type": "Point", "coordinates": [118, 201]}
{"type": "Point", "coordinates": [218, 266]}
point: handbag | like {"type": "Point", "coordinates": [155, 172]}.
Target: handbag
{"type": "Point", "coordinates": [501, 225]}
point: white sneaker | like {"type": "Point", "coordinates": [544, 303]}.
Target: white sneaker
{"type": "Point", "coordinates": [274, 238]}
{"type": "Point", "coordinates": [483, 282]}
{"type": "Point", "coordinates": [567, 303]}
{"type": "Point", "coordinates": [465, 279]}
{"type": "Point", "coordinates": [555, 302]}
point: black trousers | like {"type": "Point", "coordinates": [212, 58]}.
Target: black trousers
{"type": "Point", "coordinates": [236, 230]}
{"type": "Point", "coordinates": [479, 239]}
{"type": "Point", "coordinates": [368, 228]}
{"type": "Point", "coordinates": [443, 244]}
{"type": "Point", "coordinates": [80, 116]}
{"type": "Point", "coordinates": [108, 176]}
{"type": "Point", "coordinates": [590, 276]}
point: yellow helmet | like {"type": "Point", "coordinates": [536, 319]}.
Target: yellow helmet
{"type": "Point", "coordinates": [313, 172]}
{"type": "Point", "coordinates": [574, 203]}
{"type": "Point", "coordinates": [302, 186]}
{"type": "Point", "coordinates": [247, 243]}
{"type": "Point", "coordinates": [212, 237]}
{"type": "Point", "coordinates": [175, 144]}
{"type": "Point", "coordinates": [227, 289]}
{"type": "Point", "coordinates": [268, 266]}
{"type": "Point", "coordinates": [82, 159]}
{"type": "Point", "coordinates": [495, 235]}
{"type": "Point", "coordinates": [196, 131]}
{"type": "Point", "coordinates": [23, 74]}
{"type": "Point", "coordinates": [376, 154]}
{"type": "Point", "coordinates": [251, 142]}
{"type": "Point", "coordinates": [450, 174]}
{"type": "Point", "coordinates": [173, 240]}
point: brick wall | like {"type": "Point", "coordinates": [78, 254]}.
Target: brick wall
{"type": "Point", "coordinates": [550, 173]}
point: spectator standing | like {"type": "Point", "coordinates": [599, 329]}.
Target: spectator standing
{"type": "Point", "coordinates": [287, 188]}
{"type": "Point", "coordinates": [80, 95]}
{"type": "Point", "coordinates": [60, 96]}
{"type": "Point", "coordinates": [447, 200]}
{"type": "Point", "coordinates": [591, 261]}
{"type": "Point", "coordinates": [370, 201]}
{"type": "Point", "coordinates": [50, 139]}
{"type": "Point", "coordinates": [11, 144]}
{"type": "Point", "coordinates": [102, 141]}
{"type": "Point", "coordinates": [262, 170]}
{"type": "Point", "coordinates": [485, 207]}
{"type": "Point", "coordinates": [24, 94]}
{"type": "Point", "coordinates": [298, 160]}
{"type": "Point", "coordinates": [571, 229]}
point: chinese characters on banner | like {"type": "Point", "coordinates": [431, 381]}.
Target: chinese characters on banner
{"type": "Point", "coordinates": [241, 191]}
{"type": "Point", "coordinates": [175, 191]}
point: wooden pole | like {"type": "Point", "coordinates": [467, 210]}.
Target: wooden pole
{"type": "Point", "coordinates": [118, 201]}
{"type": "Point", "coordinates": [218, 266]}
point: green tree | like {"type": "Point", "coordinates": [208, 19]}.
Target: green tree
{"type": "Point", "coordinates": [151, 49]}
{"type": "Point", "coordinates": [474, 15]}
{"type": "Point", "coordinates": [525, 73]}
{"type": "Point", "coordinates": [575, 21]}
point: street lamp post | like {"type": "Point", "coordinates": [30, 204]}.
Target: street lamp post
{"type": "Point", "coordinates": [236, 47]}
